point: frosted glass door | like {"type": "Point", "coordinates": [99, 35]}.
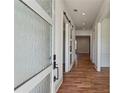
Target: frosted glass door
{"type": "Point", "coordinates": [32, 44]}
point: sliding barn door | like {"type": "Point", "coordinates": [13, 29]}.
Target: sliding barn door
{"type": "Point", "coordinates": [68, 47]}
{"type": "Point", "coordinates": [33, 71]}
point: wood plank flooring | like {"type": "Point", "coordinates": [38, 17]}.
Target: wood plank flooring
{"type": "Point", "coordinates": [83, 78]}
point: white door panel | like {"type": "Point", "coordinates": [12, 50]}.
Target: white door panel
{"type": "Point", "coordinates": [33, 47]}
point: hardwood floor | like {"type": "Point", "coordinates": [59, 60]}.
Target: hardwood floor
{"type": "Point", "coordinates": [83, 78]}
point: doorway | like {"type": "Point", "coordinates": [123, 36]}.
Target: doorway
{"type": "Point", "coordinates": [83, 45]}
{"type": "Point", "coordinates": [67, 44]}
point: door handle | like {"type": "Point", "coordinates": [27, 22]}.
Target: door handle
{"type": "Point", "coordinates": [55, 67]}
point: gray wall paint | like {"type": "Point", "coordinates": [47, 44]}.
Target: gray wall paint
{"type": "Point", "coordinates": [83, 44]}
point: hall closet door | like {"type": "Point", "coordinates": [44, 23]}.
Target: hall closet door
{"type": "Point", "coordinates": [33, 48]}
{"type": "Point", "coordinates": [71, 46]}
{"type": "Point", "coordinates": [68, 47]}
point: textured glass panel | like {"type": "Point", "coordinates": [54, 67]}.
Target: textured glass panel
{"type": "Point", "coordinates": [32, 43]}
{"type": "Point", "coordinates": [46, 5]}
{"type": "Point", "coordinates": [43, 86]}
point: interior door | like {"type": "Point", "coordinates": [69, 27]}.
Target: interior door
{"type": "Point", "coordinates": [70, 44]}
{"type": "Point", "coordinates": [33, 70]}
{"type": "Point", "coordinates": [67, 47]}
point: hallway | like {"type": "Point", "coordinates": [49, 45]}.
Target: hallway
{"type": "Point", "coordinates": [45, 45]}
{"type": "Point", "coordinates": [83, 78]}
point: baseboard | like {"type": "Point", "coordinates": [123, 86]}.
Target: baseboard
{"type": "Point", "coordinates": [59, 84]}
{"type": "Point", "coordinates": [105, 65]}
{"type": "Point", "coordinates": [83, 52]}
{"type": "Point", "coordinates": [105, 68]}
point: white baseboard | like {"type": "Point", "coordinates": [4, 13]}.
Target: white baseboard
{"type": "Point", "coordinates": [83, 52]}
{"type": "Point", "coordinates": [105, 66]}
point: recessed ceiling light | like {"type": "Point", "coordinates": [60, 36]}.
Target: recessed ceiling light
{"type": "Point", "coordinates": [83, 13]}
{"type": "Point", "coordinates": [75, 10]}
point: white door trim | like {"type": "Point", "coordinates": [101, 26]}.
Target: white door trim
{"type": "Point", "coordinates": [67, 50]}
{"type": "Point", "coordinates": [53, 46]}
{"type": "Point", "coordinates": [99, 47]}
{"type": "Point", "coordinates": [38, 9]}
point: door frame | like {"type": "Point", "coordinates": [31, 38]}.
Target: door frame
{"type": "Point", "coordinates": [68, 62]}
{"type": "Point", "coordinates": [67, 44]}
{"type": "Point", "coordinates": [67, 53]}
{"type": "Point", "coordinates": [99, 30]}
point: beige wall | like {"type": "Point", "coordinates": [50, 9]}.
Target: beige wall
{"type": "Point", "coordinates": [87, 33]}
{"type": "Point", "coordinates": [83, 44]}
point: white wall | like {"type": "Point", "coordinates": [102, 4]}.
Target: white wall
{"type": "Point", "coordinates": [94, 45]}
{"type": "Point", "coordinates": [103, 13]}
{"type": "Point", "coordinates": [58, 39]}
{"type": "Point", "coordinates": [105, 43]}
{"type": "Point", "coordinates": [59, 9]}
{"type": "Point", "coordinates": [83, 32]}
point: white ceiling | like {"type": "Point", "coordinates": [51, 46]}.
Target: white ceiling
{"type": "Point", "coordinates": [90, 7]}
